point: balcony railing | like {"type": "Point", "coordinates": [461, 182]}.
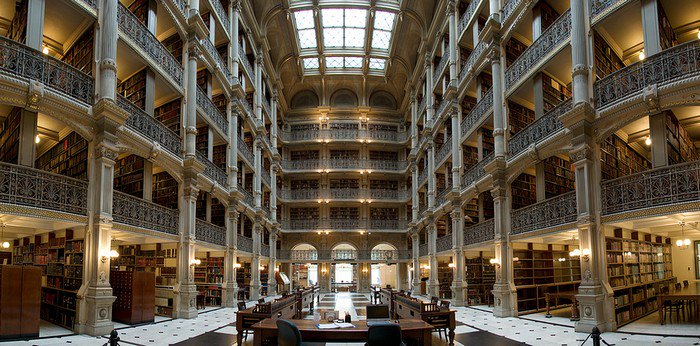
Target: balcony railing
{"type": "Point", "coordinates": [422, 208]}
{"type": "Point", "coordinates": [552, 212]}
{"type": "Point", "coordinates": [344, 223]}
{"type": "Point", "coordinates": [345, 163]}
{"type": "Point", "coordinates": [464, 20]}
{"type": "Point", "coordinates": [682, 61]}
{"type": "Point", "coordinates": [134, 30]}
{"type": "Point", "coordinates": [265, 250]}
{"type": "Point", "coordinates": [211, 111]}
{"type": "Point", "coordinates": [150, 127]}
{"type": "Point", "coordinates": [476, 172]}
{"type": "Point", "coordinates": [445, 150]}
{"type": "Point", "coordinates": [344, 134]}
{"type": "Point", "coordinates": [212, 171]}
{"type": "Point", "coordinates": [345, 193]}
{"type": "Point", "coordinates": [477, 114]}
{"type": "Point", "coordinates": [422, 106]}
{"type": "Point", "coordinates": [316, 164]}
{"type": "Point", "coordinates": [309, 224]}
{"type": "Point", "coordinates": [558, 33]}
{"type": "Point", "coordinates": [266, 177]}
{"type": "Point", "coordinates": [601, 6]}
{"type": "Point", "coordinates": [247, 196]}
{"type": "Point", "coordinates": [344, 254]}
{"type": "Point", "coordinates": [441, 108]}
{"type": "Point", "coordinates": [298, 255]}
{"type": "Point", "coordinates": [210, 233]}
{"type": "Point", "coordinates": [180, 4]}
{"type": "Point", "coordinates": [246, 63]}
{"type": "Point", "coordinates": [508, 9]}
{"type": "Point", "coordinates": [480, 232]}
{"type": "Point", "coordinates": [244, 243]}
{"type": "Point", "coordinates": [387, 224]}
{"type": "Point", "coordinates": [245, 150]}
{"type": "Point", "coordinates": [385, 165]}
{"type": "Point", "coordinates": [221, 13]}
{"type": "Point", "coordinates": [303, 194]}
{"type": "Point", "coordinates": [660, 187]}
{"type": "Point", "coordinates": [385, 194]}
{"type": "Point", "coordinates": [214, 53]}
{"type": "Point", "coordinates": [248, 108]}
{"type": "Point", "coordinates": [423, 250]}
{"type": "Point", "coordinates": [137, 212]}
{"type": "Point", "coordinates": [20, 60]}
{"type": "Point", "coordinates": [438, 70]}
{"type": "Point", "coordinates": [387, 255]}
{"type": "Point", "coordinates": [422, 177]}
{"type": "Point", "coordinates": [442, 196]}
{"type": "Point", "coordinates": [471, 60]}
{"type": "Point", "coordinates": [267, 107]}
{"type": "Point", "coordinates": [302, 164]}
{"type": "Point", "coordinates": [444, 243]}
{"type": "Point", "coordinates": [539, 130]}
{"type": "Point", "coordinates": [35, 188]}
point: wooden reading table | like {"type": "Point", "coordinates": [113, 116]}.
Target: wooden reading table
{"type": "Point", "coordinates": [284, 308]}
{"type": "Point", "coordinates": [570, 295]}
{"type": "Point", "coordinates": [411, 308]}
{"type": "Point", "coordinates": [415, 331]}
{"type": "Point", "coordinates": [692, 292]}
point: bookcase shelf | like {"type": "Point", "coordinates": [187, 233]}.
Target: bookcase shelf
{"type": "Point", "coordinates": [384, 213]}
{"type": "Point", "coordinates": [169, 115]}
{"type": "Point", "coordinates": [208, 276]}
{"type": "Point", "coordinates": [304, 213]}
{"type": "Point", "coordinates": [202, 144]}
{"type": "Point", "coordinates": [140, 9]}
{"type": "Point", "coordinates": [480, 276]}
{"type": "Point", "coordinates": [514, 48]}
{"type": "Point", "coordinates": [383, 155]}
{"type": "Point", "coordinates": [158, 260]}
{"type": "Point", "coordinates": [606, 59]}
{"type": "Point", "coordinates": [666, 32]}
{"type": "Point", "coordinates": [519, 117]}
{"type": "Point", "coordinates": [68, 157]}
{"type": "Point", "coordinates": [344, 213]}
{"type": "Point", "coordinates": [304, 155]}
{"type": "Point", "coordinates": [554, 92]}
{"type": "Point", "coordinates": [523, 191]}
{"type": "Point", "coordinates": [344, 183]}
{"type": "Point", "coordinates": [81, 54]}
{"type": "Point", "coordinates": [218, 213]}
{"type": "Point", "coordinates": [383, 184]}
{"type": "Point", "coordinates": [174, 45]}
{"type": "Point", "coordinates": [445, 280]}
{"type": "Point", "coordinates": [304, 184]}
{"type": "Point", "coordinates": [165, 190]}
{"type": "Point", "coordinates": [639, 265]}
{"type": "Point", "coordinates": [17, 30]}
{"type": "Point", "coordinates": [219, 156]}
{"type": "Point", "coordinates": [128, 175]}
{"type": "Point", "coordinates": [558, 176]}
{"type": "Point", "coordinates": [134, 88]}
{"type": "Point", "coordinates": [618, 159]}
{"type": "Point", "coordinates": [338, 154]}
{"type": "Point", "coordinates": [680, 146]}
{"type": "Point", "coordinates": [471, 209]}
{"type": "Point", "coordinates": [9, 136]}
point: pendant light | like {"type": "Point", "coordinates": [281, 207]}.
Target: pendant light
{"type": "Point", "coordinates": [685, 242]}
{"type": "Point", "coordinates": [5, 244]}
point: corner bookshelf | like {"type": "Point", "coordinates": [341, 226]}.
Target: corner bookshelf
{"type": "Point", "coordinates": [639, 266]}
{"type": "Point", "coordinates": [445, 280]}
{"type": "Point", "coordinates": [523, 191]}
{"type": "Point", "coordinates": [480, 276]}
{"type": "Point", "coordinates": [68, 157]}
{"type": "Point", "coordinates": [538, 271]}
{"type": "Point", "coordinates": [81, 54]}
{"type": "Point", "coordinates": [134, 88]}
{"type": "Point", "coordinates": [169, 115]}
{"type": "Point", "coordinates": [165, 190]}
{"type": "Point", "coordinates": [9, 136]}
{"type": "Point", "coordinates": [128, 175]}
{"type": "Point", "coordinates": [519, 117]}
{"type": "Point", "coordinates": [559, 176]}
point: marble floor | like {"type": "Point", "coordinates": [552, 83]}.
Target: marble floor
{"type": "Point", "coordinates": [475, 326]}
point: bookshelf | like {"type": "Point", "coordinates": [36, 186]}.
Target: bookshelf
{"type": "Point", "coordinates": [523, 191]}
{"type": "Point", "coordinates": [619, 159]}
{"type": "Point", "coordinates": [606, 59]}
{"type": "Point", "coordinates": [17, 30]}
{"type": "Point", "coordinates": [487, 141]}
{"type": "Point", "coordinates": [382, 127]}
{"type": "Point", "coordinates": [514, 48]}
{"type": "Point", "coordinates": [471, 209]}
{"type": "Point", "coordinates": [344, 213]}
{"type": "Point", "coordinates": [128, 175]}
{"type": "Point", "coordinates": [219, 156]}
{"type": "Point", "coordinates": [639, 265]}
{"type": "Point", "coordinates": [343, 126]}
{"type": "Point", "coordinates": [304, 155]}
{"type": "Point", "coordinates": [486, 83]}
{"type": "Point", "coordinates": [559, 176]}
{"type": "Point", "coordinates": [218, 212]}
{"type": "Point", "coordinates": [202, 143]}
{"type": "Point", "coordinates": [480, 276]}
{"type": "Point", "coordinates": [9, 136]}
{"type": "Point", "coordinates": [470, 156]}
{"type": "Point", "coordinates": [81, 54]}
{"type": "Point", "coordinates": [209, 276]}
{"type": "Point", "coordinates": [174, 45]}
{"type": "Point", "coordinates": [548, 15]}
{"type": "Point", "coordinates": [554, 92]}
{"type": "Point", "coordinates": [304, 127]}
{"type": "Point", "coordinates": [680, 146]}
{"type": "Point", "coordinates": [519, 117]}
{"type": "Point", "coordinates": [243, 275]}
{"type": "Point", "coordinates": [666, 32]}
{"type": "Point", "coordinates": [220, 102]}
{"type": "Point", "coordinates": [339, 154]}
{"type": "Point", "coordinates": [304, 184]}
{"type": "Point", "coordinates": [165, 190]}
{"type": "Point", "coordinates": [445, 280]}
{"type": "Point", "coordinates": [201, 205]}
{"type": "Point", "coordinates": [383, 155]}
{"type": "Point", "coordinates": [377, 184]}
{"type": "Point", "coordinates": [135, 292]}
{"type": "Point", "coordinates": [541, 269]}
{"type": "Point", "coordinates": [222, 49]}
{"type": "Point", "coordinates": [384, 213]}
{"type": "Point", "coordinates": [344, 183]}
{"type": "Point", "coordinates": [134, 88]}
{"type": "Point", "coordinates": [203, 78]}
{"type": "Point", "coordinates": [464, 54]}
{"type": "Point", "coordinates": [304, 213]}
{"type": "Point", "coordinates": [467, 104]}
{"type": "Point", "coordinates": [68, 157]}
{"type": "Point", "coordinates": [140, 9]}
{"type": "Point", "coordinates": [487, 205]}
{"type": "Point", "coordinates": [169, 115]}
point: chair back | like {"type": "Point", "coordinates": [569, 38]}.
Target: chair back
{"type": "Point", "coordinates": [241, 306]}
{"type": "Point", "coordinates": [685, 283]}
{"type": "Point", "coordinates": [445, 304]}
{"type": "Point", "coordinates": [434, 300]}
{"type": "Point", "coordinates": [384, 334]}
{"type": "Point", "coordinates": [287, 333]}
{"type": "Point", "coordinates": [678, 285]}
{"type": "Point", "coordinates": [261, 301]}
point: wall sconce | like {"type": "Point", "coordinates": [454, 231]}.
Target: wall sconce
{"type": "Point", "coordinates": [364, 270]}
{"type": "Point", "coordinates": [195, 262]}
{"type": "Point", "coordinates": [515, 259]}
{"type": "Point", "coordinates": [362, 232]}
{"type": "Point", "coordinates": [369, 172]}
{"type": "Point", "coordinates": [495, 262]}
{"type": "Point", "coordinates": [575, 253]}
{"type": "Point", "coordinates": [327, 232]}
{"type": "Point", "coordinates": [586, 254]}
{"type": "Point", "coordinates": [45, 50]}
{"type": "Point", "coordinates": [642, 56]}
{"type": "Point", "coordinates": [451, 265]}
{"type": "Point", "coordinates": [561, 259]}
{"type": "Point", "coordinates": [324, 270]}
{"type": "Point", "coordinates": [323, 118]}
{"type": "Point", "coordinates": [647, 141]}
{"type": "Point", "coordinates": [262, 268]}
{"type": "Point", "coordinates": [236, 265]}
{"type": "Point", "coordinates": [410, 269]}
{"type": "Point", "coordinates": [112, 254]}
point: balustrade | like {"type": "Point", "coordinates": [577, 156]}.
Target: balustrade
{"type": "Point", "coordinates": [600, 6]}
{"type": "Point", "coordinates": [303, 194]}
{"type": "Point", "coordinates": [344, 254]}
{"type": "Point", "coordinates": [444, 243]}
{"type": "Point", "coordinates": [211, 111]}
{"type": "Point", "coordinates": [477, 114]}
{"type": "Point", "coordinates": [480, 232]}
{"type": "Point", "coordinates": [444, 151]}
{"type": "Point", "coordinates": [150, 127]}
{"type": "Point", "coordinates": [439, 69]}
{"type": "Point", "coordinates": [384, 255]}
{"type": "Point", "coordinates": [212, 171]}
{"type": "Point", "coordinates": [246, 63]}
{"type": "Point", "coordinates": [476, 172]}
{"type": "Point", "coordinates": [210, 233]}
{"type": "Point", "coordinates": [302, 224]}
{"type": "Point", "coordinates": [442, 196]}
{"type": "Point", "coordinates": [245, 150]}
{"type": "Point", "coordinates": [422, 177]}
{"type": "Point", "coordinates": [244, 243]}
{"type": "Point", "coordinates": [20, 60]}
{"type": "Point", "coordinates": [221, 13]}
{"type": "Point", "coordinates": [138, 212]}
{"type": "Point", "coordinates": [266, 177]}
{"type": "Point", "coordinates": [423, 250]}
{"type": "Point", "coordinates": [298, 255]}
{"type": "Point", "coordinates": [552, 212]}
{"type": "Point", "coordinates": [670, 65]}
{"type": "Point", "coordinates": [247, 196]}
{"type": "Point", "coordinates": [471, 60]}
{"type": "Point", "coordinates": [509, 9]}
{"type": "Point", "coordinates": [345, 193]}
{"type": "Point", "coordinates": [557, 34]}
{"type": "Point", "coordinates": [386, 224]}
{"type": "Point", "coordinates": [464, 20]}
{"type": "Point", "coordinates": [265, 250]}
{"type": "Point", "coordinates": [539, 130]}
{"type": "Point", "coordinates": [344, 223]}
{"type": "Point", "coordinates": [134, 30]}
{"type": "Point", "coordinates": [214, 54]}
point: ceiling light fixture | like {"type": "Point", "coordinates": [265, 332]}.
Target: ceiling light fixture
{"type": "Point", "coordinates": [45, 50]}
{"type": "Point", "coordinates": [647, 141]}
{"type": "Point", "coordinates": [5, 244]}
{"type": "Point", "coordinates": [683, 243]}
{"type": "Point", "coordinates": [642, 56]}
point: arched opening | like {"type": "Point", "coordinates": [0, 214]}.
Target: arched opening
{"type": "Point", "coordinates": [304, 99]}
{"type": "Point", "coordinates": [384, 274]}
{"type": "Point", "coordinates": [304, 274]}
{"type": "Point", "coordinates": [382, 99]}
{"type": "Point", "coordinates": [344, 98]}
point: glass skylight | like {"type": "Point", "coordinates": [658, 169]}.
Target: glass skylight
{"type": "Point", "coordinates": [348, 62]}
{"type": "Point", "coordinates": [306, 29]}
{"type": "Point", "coordinates": [377, 64]}
{"type": "Point", "coordinates": [311, 63]}
{"type": "Point", "coordinates": [383, 23]}
{"type": "Point", "coordinates": [343, 27]}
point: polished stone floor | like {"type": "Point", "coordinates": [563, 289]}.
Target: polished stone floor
{"type": "Point", "coordinates": [476, 326]}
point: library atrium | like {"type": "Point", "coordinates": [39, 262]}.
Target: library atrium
{"type": "Point", "coordinates": [444, 172]}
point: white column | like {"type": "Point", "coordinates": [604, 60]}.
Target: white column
{"type": "Point", "coordinates": [235, 52]}
{"type": "Point", "coordinates": [429, 97]}
{"type": "Point", "coordinates": [414, 194]}
{"type": "Point", "coordinates": [271, 280]}
{"type": "Point", "coordinates": [255, 266]}
{"type": "Point", "coordinates": [459, 285]}
{"type": "Point", "coordinates": [431, 173]}
{"type": "Point", "coordinates": [230, 287]}
{"type": "Point", "coordinates": [257, 180]}
{"type": "Point", "coordinates": [414, 120]}
{"type": "Point", "coordinates": [452, 19]}
{"type": "Point", "coordinates": [456, 151]}
{"type": "Point", "coordinates": [273, 191]}
{"type": "Point", "coordinates": [190, 113]}
{"type": "Point", "coordinates": [433, 283]}
{"type": "Point", "coordinates": [650, 27]}
{"type": "Point", "coordinates": [415, 289]}
{"type": "Point", "coordinates": [258, 86]}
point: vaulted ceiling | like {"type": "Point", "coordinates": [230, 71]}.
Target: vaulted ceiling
{"type": "Point", "coordinates": [326, 45]}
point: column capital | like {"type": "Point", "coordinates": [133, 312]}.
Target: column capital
{"type": "Point", "coordinates": [450, 8]}
{"type": "Point", "coordinates": [236, 5]}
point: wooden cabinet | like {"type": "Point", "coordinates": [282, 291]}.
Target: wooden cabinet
{"type": "Point", "coordinates": [135, 292]}
{"type": "Point", "coordinates": [19, 317]}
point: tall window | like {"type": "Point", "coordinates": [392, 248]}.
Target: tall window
{"type": "Point", "coordinates": [343, 272]}
{"type": "Point", "coordinates": [313, 274]}
{"type": "Point", "coordinates": [376, 275]}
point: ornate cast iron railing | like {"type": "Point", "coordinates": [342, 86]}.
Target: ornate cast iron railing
{"type": "Point", "coordinates": [315, 164]}
{"type": "Point", "coordinates": [265, 250]}
{"type": "Point", "coordinates": [558, 32]}
{"type": "Point", "coordinates": [344, 254]}
{"type": "Point", "coordinates": [211, 111]}
{"type": "Point", "coordinates": [439, 69]}
{"type": "Point", "coordinates": [266, 177]}
{"type": "Point", "coordinates": [150, 127]}
{"type": "Point", "coordinates": [378, 135]}
{"type": "Point", "coordinates": [302, 224]}
{"type": "Point", "coordinates": [221, 13]}
{"type": "Point", "coordinates": [508, 9]}
{"type": "Point", "coordinates": [384, 255]}
{"type": "Point", "coordinates": [344, 223]}
{"type": "Point", "coordinates": [180, 4]}
{"type": "Point", "coordinates": [304, 194]}
{"type": "Point", "coordinates": [20, 60]}
{"type": "Point", "coordinates": [423, 250]}
{"type": "Point", "coordinates": [600, 6]}
{"type": "Point", "coordinates": [214, 53]}
{"type": "Point", "coordinates": [464, 20]}
{"type": "Point", "coordinates": [345, 193]}
{"type": "Point", "coordinates": [681, 61]}
{"type": "Point", "coordinates": [479, 233]}
{"type": "Point", "coordinates": [422, 177]}
{"type": "Point", "coordinates": [539, 130]}
{"type": "Point", "coordinates": [245, 150]}
{"type": "Point", "coordinates": [386, 224]}
{"type": "Point", "coordinates": [478, 113]}
{"type": "Point", "coordinates": [441, 197]}
{"type": "Point", "coordinates": [422, 106]}
{"type": "Point", "coordinates": [298, 255]}
{"type": "Point", "coordinates": [444, 243]}
{"type": "Point", "coordinates": [471, 60]}
{"type": "Point", "coordinates": [35, 188]}
{"type": "Point", "coordinates": [445, 150]}
{"type": "Point", "coordinates": [137, 212]}
{"type": "Point", "coordinates": [659, 187]}
{"type": "Point", "coordinates": [384, 194]}
{"type": "Point", "coordinates": [244, 243]}
{"type": "Point", "coordinates": [210, 233]}
{"type": "Point", "coordinates": [246, 63]}
{"type": "Point", "coordinates": [211, 170]}
{"type": "Point", "coordinates": [133, 29]}
{"type": "Point", "coordinates": [476, 172]}
{"type": "Point", "coordinates": [552, 212]}
{"type": "Point", "coordinates": [247, 196]}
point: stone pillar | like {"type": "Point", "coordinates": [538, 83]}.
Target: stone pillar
{"type": "Point", "coordinates": [452, 20]}
{"type": "Point", "coordinates": [431, 173]}
{"type": "Point", "coordinates": [505, 296]}
{"type": "Point", "coordinates": [190, 113]}
{"type": "Point", "coordinates": [459, 285]}
{"type": "Point", "coordinates": [271, 280]}
{"type": "Point", "coordinates": [257, 176]}
{"type": "Point", "coordinates": [433, 283]}
{"type": "Point", "coordinates": [415, 240]}
{"type": "Point", "coordinates": [35, 24]}
{"type": "Point", "coordinates": [456, 150]}
{"type": "Point", "coordinates": [186, 290]}
{"type": "Point", "coordinates": [273, 191]}
{"type": "Point", "coordinates": [273, 120]}
{"type": "Point", "coordinates": [26, 154]}
{"type": "Point", "coordinates": [258, 86]}
{"type": "Point", "coordinates": [255, 265]}
{"type": "Point", "coordinates": [414, 192]}
{"type": "Point", "coordinates": [107, 76]}
{"type": "Point", "coordinates": [414, 120]}
{"type": "Point", "coordinates": [230, 287]}
{"type": "Point", "coordinates": [235, 51]}
{"type": "Point", "coordinates": [429, 97]}
{"type": "Point", "coordinates": [650, 27]}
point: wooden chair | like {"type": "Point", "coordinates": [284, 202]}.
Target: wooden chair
{"type": "Point", "coordinates": [261, 301]}
{"type": "Point", "coordinates": [444, 304]}
{"type": "Point", "coordinates": [434, 300]}
{"type": "Point", "coordinates": [669, 306]}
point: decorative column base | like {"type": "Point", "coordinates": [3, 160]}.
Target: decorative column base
{"type": "Point", "coordinates": [434, 288]}
{"type": "Point", "coordinates": [459, 293]}
{"type": "Point", "coordinates": [415, 290]}
{"type": "Point", "coordinates": [271, 288]}
{"type": "Point", "coordinates": [187, 301]}
{"type": "Point", "coordinates": [228, 299]}
{"type": "Point", "coordinates": [98, 316]}
{"type": "Point", "coordinates": [255, 291]}
{"type": "Point", "coordinates": [595, 310]}
{"type": "Point", "coordinates": [505, 300]}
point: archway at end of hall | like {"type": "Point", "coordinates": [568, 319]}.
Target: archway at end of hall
{"type": "Point", "coordinates": [383, 273]}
